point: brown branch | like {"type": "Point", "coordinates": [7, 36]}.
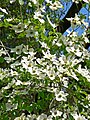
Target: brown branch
{"type": "Point", "coordinates": [64, 24]}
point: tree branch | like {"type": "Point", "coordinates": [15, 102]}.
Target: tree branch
{"type": "Point", "coordinates": [64, 24]}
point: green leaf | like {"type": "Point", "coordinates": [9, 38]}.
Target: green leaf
{"type": "Point", "coordinates": [21, 35]}
{"type": "Point", "coordinates": [21, 2]}
{"type": "Point", "coordinates": [88, 32]}
{"type": "Point", "coordinates": [1, 59]}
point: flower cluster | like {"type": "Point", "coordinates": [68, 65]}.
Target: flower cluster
{"type": "Point", "coordinates": [44, 75]}
{"type": "Point", "coordinates": [77, 21]}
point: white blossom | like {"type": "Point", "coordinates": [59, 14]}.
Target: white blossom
{"type": "Point", "coordinates": [17, 49]}
{"type": "Point", "coordinates": [18, 82]}
{"type": "Point", "coordinates": [55, 5]}
{"type": "Point", "coordinates": [3, 10]}
{"type": "Point", "coordinates": [18, 28]}
{"type": "Point", "coordinates": [76, 1]}
{"type": "Point", "coordinates": [84, 72]}
{"type": "Point", "coordinates": [79, 117]}
{"type": "Point", "coordinates": [42, 117]}
{"type": "Point", "coordinates": [10, 106]}
{"type": "Point", "coordinates": [39, 16]}
{"type": "Point", "coordinates": [30, 32]}
{"type": "Point", "coordinates": [49, 1]}
{"type": "Point", "coordinates": [2, 52]}
{"type": "Point", "coordinates": [87, 1]}
{"type": "Point", "coordinates": [75, 21]}
{"type": "Point", "coordinates": [34, 1]}
{"type": "Point", "coordinates": [12, 1]}
{"type": "Point", "coordinates": [55, 112]}
{"type": "Point", "coordinates": [61, 96]}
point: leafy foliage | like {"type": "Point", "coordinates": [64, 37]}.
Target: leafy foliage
{"type": "Point", "coordinates": [44, 75]}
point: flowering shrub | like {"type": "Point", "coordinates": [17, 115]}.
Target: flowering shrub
{"type": "Point", "coordinates": [44, 75]}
